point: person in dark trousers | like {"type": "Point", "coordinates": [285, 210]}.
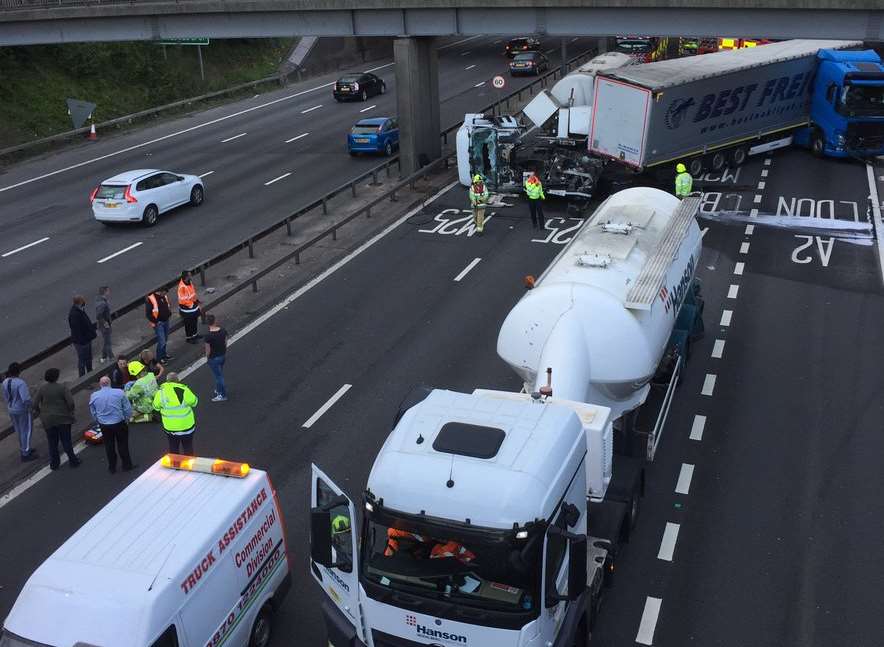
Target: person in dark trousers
{"type": "Point", "coordinates": [534, 190]}
{"type": "Point", "coordinates": [189, 307]}
{"type": "Point", "coordinates": [103, 321]}
{"type": "Point", "coordinates": [216, 351]}
{"type": "Point", "coordinates": [175, 402]}
{"type": "Point", "coordinates": [18, 402]}
{"type": "Point", "coordinates": [158, 312]}
{"type": "Point", "coordinates": [82, 334]}
{"type": "Point", "coordinates": [54, 404]}
{"type": "Point", "coordinates": [111, 409]}
{"type": "Point", "coordinates": [119, 376]}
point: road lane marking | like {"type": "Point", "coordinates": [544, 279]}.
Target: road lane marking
{"type": "Point", "coordinates": [667, 544]}
{"type": "Point", "coordinates": [684, 479]}
{"type": "Point", "coordinates": [750, 229]}
{"type": "Point", "coordinates": [470, 67]}
{"type": "Point", "coordinates": [764, 172]}
{"type": "Point", "coordinates": [296, 138]}
{"type": "Point", "coordinates": [328, 405]}
{"type": "Point", "coordinates": [550, 51]}
{"type": "Point", "coordinates": [744, 248]}
{"type": "Point", "coordinates": [122, 251]}
{"type": "Point", "coordinates": [698, 427]}
{"type": "Point", "coordinates": [466, 270]}
{"type": "Point", "coordinates": [738, 268]}
{"type": "Point", "coordinates": [497, 42]}
{"type": "Point", "coordinates": [369, 108]}
{"type": "Point", "coordinates": [876, 213]}
{"type": "Point", "coordinates": [767, 161]}
{"type": "Point", "coordinates": [717, 349]}
{"type": "Point", "coordinates": [460, 42]}
{"type": "Point", "coordinates": [24, 247]}
{"type": "Point", "coordinates": [732, 291]}
{"type": "Point", "coordinates": [757, 199]}
{"type": "Point", "coordinates": [479, 85]}
{"type": "Point", "coordinates": [304, 112]}
{"type": "Point", "coordinates": [179, 132]}
{"type": "Point", "coordinates": [230, 139]}
{"type": "Point", "coordinates": [753, 213]}
{"type": "Point", "coordinates": [648, 624]}
{"type": "Point", "coordinates": [277, 179]}
{"type": "Point", "coordinates": [761, 185]}
{"type": "Point", "coordinates": [708, 385]}
{"type": "Point", "coordinates": [574, 40]}
{"type": "Point", "coordinates": [726, 318]}
{"type": "Point", "coordinates": [272, 312]}
{"type": "Point", "coordinates": [703, 232]}
{"type": "Point", "coordinates": [206, 174]}
{"type": "Point", "coordinates": [467, 53]}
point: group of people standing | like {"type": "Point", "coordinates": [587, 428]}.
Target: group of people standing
{"type": "Point", "coordinates": [479, 197]}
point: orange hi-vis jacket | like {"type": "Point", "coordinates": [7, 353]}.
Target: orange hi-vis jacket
{"type": "Point", "coordinates": [187, 301]}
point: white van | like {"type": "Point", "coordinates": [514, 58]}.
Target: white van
{"type": "Point", "coordinates": [186, 556]}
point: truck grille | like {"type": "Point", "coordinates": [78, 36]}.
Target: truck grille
{"type": "Point", "coordinates": [865, 135]}
{"type": "Point", "coordinates": [382, 639]}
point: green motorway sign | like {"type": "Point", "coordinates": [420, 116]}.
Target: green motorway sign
{"type": "Point", "coordinates": [183, 41]}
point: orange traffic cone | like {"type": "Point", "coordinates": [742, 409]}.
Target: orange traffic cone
{"type": "Point", "coordinates": [92, 133]}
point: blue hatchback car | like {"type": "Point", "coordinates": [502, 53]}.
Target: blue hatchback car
{"type": "Point", "coordinates": [374, 135]}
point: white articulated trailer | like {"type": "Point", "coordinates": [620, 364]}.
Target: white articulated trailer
{"type": "Point", "coordinates": [493, 518]}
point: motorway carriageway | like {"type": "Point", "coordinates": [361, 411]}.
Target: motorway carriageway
{"type": "Point", "coordinates": [763, 517]}
{"type": "Point", "coordinates": [262, 158]}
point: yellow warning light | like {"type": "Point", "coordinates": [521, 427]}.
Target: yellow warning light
{"type": "Point", "coordinates": [205, 465]}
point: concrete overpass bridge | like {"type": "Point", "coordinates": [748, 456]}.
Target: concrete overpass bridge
{"type": "Point", "coordinates": [415, 22]}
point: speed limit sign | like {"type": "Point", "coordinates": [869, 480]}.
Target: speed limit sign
{"type": "Point", "coordinates": [498, 82]}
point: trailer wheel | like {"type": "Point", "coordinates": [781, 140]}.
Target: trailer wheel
{"type": "Point", "coordinates": [719, 160]}
{"type": "Point", "coordinates": [817, 143]}
{"type": "Point", "coordinates": [739, 156]}
{"type": "Point", "coordinates": [696, 166]}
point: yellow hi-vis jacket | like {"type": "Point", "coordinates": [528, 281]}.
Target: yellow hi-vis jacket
{"type": "Point", "coordinates": [175, 402]}
{"type": "Point", "coordinates": [683, 184]}
{"type": "Point", "coordinates": [478, 197]}
{"type": "Point", "coordinates": [534, 190]}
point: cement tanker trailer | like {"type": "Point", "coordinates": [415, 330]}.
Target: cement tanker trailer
{"type": "Point", "coordinates": [615, 313]}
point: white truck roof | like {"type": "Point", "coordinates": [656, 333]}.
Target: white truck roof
{"type": "Point", "coordinates": [678, 71]}
{"type": "Point", "coordinates": [542, 443]}
{"type": "Point", "coordinates": [130, 559]}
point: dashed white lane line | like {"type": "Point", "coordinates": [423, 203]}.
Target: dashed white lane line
{"type": "Point", "coordinates": [767, 161]}
{"type": "Point", "coordinates": [467, 53]}
{"type": "Point", "coordinates": [648, 624]}
{"type": "Point", "coordinates": [230, 139]}
{"type": "Point", "coordinates": [718, 349]}
{"type": "Point", "coordinates": [708, 385]}
{"type": "Point", "coordinates": [764, 172]}
{"type": "Point", "coordinates": [470, 67]}
{"type": "Point", "coordinates": [698, 427]}
{"type": "Point", "coordinates": [277, 179]}
{"type": "Point", "coordinates": [459, 42]}
{"type": "Point", "coordinates": [206, 174]}
{"type": "Point", "coordinates": [467, 269]}
{"type": "Point", "coordinates": [683, 486]}
{"type": "Point", "coordinates": [304, 112]}
{"type": "Point", "coordinates": [479, 85]}
{"type": "Point", "coordinates": [211, 122]}
{"type": "Point", "coordinates": [122, 251]}
{"type": "Point", "coordinates": [733, 291]}
{"type": "Point", "coordinates": [296, 138]}
{"type": "Point", "coordinates": [328, 405]}
{"type": "Point", "coordinates": [369, 108]}
{"type": "Point", "coordinates": [574, 40]}
{"type": "Point", "coordinates": [667, 544]}
{"type": "Point", "coordinates": [497, 42]}
{"type": "Point", "coordinates": [750, 229]}
{"type": "Point", "coordinates": [269, 314]}
{"type": "Point", "coordinates": [761, 185]}
{"type": "Point", "coordinates": [744, 248]}
{"type": "Point", "coordinates": [726, 316]}
{"type": "Point", "coordinates": [24, 247]}
{"type": "Point", "coordinates": [753, 213]}
{"type": "Point", "coordinates": [738, 268]}
{"type": "Point", "coordinates": [757, 199]}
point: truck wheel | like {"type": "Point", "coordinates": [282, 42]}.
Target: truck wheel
{"type": "Point", "coordinates": [261, 630]}
{"type": "Point", "coordinates": [739, 156]}
{"type": "Point", "coordinates": [718, 161]}
{"type": "Point", "coordinates": [817, 143]}
{"type": "Point", "coordinates": [696, 166]}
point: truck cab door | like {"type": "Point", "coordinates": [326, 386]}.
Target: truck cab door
{"type": "Point", "coordinates": [334, 547]}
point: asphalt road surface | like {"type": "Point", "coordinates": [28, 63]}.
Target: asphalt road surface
{"type": "Point", "coordinates": [295, 136]}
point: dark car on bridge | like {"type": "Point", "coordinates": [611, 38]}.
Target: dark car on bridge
{"type": "Point", "coordinates": [374, 135]}
{"type": "Point", "coordinates": [358, 87]}
{"type": "Point", "coordinates": [529, 63]}
{"type": "Point", "coordinates": [523, 44]}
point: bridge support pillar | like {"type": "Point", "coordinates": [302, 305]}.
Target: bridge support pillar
{"type": "Point", "coordinates": [417, 98]}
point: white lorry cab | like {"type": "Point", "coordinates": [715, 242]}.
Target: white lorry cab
{"type": "Point", "coordinates": [191, 554]}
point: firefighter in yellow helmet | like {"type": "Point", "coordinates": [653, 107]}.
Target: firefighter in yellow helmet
{"type": "Point", "coordinates": [478, 200]}
{"type": "Point", "coordinates": [683, 181]}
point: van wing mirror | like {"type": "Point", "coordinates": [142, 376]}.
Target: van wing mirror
{"type": "Point", "coordinates": [576, 566]}
{"type": "Point", "coordinates": [320, 537]}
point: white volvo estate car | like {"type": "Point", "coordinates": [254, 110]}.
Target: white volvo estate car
{"type": "Point", "coordinates": [141, 196]}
